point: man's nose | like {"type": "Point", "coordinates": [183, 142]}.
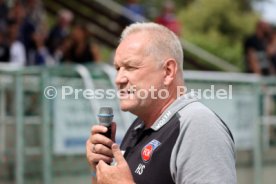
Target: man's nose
{"type": "Point", "coordinates": [121, 78]}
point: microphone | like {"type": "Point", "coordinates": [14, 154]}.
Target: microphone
{"type": "Point", "coordinates": [105, 119]}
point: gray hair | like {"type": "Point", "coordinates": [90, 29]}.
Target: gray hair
{"type": "Point", "coordinates": [164, 43]}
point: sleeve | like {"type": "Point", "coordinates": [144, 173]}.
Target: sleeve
{"type": "Point", "coordinates": [204, 151]}
{"type": "Point", "coordinates": [18, 54]}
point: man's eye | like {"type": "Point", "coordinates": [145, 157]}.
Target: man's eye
{"type": "Point", "coordinates": [130, 68]}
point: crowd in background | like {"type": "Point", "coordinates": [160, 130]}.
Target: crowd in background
{"type": "Point", "coordinates": [26, 40]}
{"type": "Point", "coordinates": [260, 50]}
{"type": "Point", "coordinates": [167, 16]}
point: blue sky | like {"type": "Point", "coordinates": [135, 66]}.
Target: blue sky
{"type": "Point", "coordinates": [267, 10]}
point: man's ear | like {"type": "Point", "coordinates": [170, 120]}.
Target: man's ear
{"type": "Point", "coordinates": [170, 69]}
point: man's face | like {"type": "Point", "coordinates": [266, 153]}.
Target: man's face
{"type": "Point", "coordinates": [137, 71]}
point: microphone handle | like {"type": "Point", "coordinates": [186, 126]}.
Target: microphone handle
{"type": "Point", "coordinates": [108, 133]}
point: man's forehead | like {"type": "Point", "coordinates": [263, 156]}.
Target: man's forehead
{"type": "Point", "coordinates": [128, 47]}
{"type": "Point", "coordinates": [127, 58]}
{"type": "Point", "coordinates": [133, 45]}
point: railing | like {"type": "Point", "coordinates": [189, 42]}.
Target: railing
{"type": "Point", "coordinates": [50, 134]}
{"type": "Point", "coordinates": [188, 46]}
{"type": "Point", "coordinates": [104, 18]}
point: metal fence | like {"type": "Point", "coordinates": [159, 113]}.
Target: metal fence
{"type": "Point", "coordinates": [42, 140]}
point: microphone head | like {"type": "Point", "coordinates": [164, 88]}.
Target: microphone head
{"type": "Point", "coordinates": [105, 116]}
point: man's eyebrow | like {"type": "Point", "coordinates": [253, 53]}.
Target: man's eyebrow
{"type": "Point", "coordinates": [127, 62]}
{"type": "Point", "coordinates": [131, 62]}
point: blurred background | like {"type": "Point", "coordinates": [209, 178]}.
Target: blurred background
{"type": "Point", "coordinates": [228, 44]}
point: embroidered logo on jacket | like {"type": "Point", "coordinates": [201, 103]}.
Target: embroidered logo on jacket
{"type": "Point", "coordinates": [147, 151]}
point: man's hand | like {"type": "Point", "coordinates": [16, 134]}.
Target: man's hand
{"type": "Point", "coordinates": [117, 174]}
{"type": "Point", "coordinates": [98, 146]}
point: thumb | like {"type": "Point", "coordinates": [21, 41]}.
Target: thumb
{"type": "Point", "coordinates": [119, 158]}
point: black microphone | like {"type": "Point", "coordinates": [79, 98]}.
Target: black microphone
{"type": "Point", "coordinates": [105, 118]}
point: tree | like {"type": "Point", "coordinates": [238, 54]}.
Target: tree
{"type": "Point", "coordinates": [218, 26]}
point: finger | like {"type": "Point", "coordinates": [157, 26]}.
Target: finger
{"type": "Point", "coordinates": [102, 149]}
{"type": "Point", "coordinates": [119, 158]}
{"type": "Point", "coordinates": [103, 158]}
{"type": "Point", "coordinates": [101, 139]}
{"type": "Point", "coordinates": [100, 168]}
{"type": "Point", "coordinates": [89, 152]}
{"type": "Point", "coordinates": [89, 148]}
{"type": "Point", "coordinates": [113, 130]}
{"type": "Point", "coordinates": [94, 159]}
{"type": "Point", "coordinates": [97, 129]}
{"type": "Point", "coordinates": [101, 165]}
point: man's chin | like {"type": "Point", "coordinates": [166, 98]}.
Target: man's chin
{"type": "Point", "coordinates": [124, 108]}
{"type": "Point", "coordinates": [127, 107]}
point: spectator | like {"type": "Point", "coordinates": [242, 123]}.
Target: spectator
{"type": "Point", "coordinates": [255, 47]}
{"type": "Point", "coordinates": [3, 14]}
{"type": "Point", "coordinates": [133, 12]}
{"type": "Point", "coordinates": [80, 50]}
{"type": "Point", "coordinates": [17, 49]}
{"type": "Point", "coordinates": [36, 17]}
{"type": "Point", "coordinates": [271, 50]}
{"type": "Point", "coordinates": [17, 12]}
{"type": "Point", "coordinates": [35, 12]}
{"type": "Point", "coordinates": [4, 48]}
{"type": "Point", "coordinates": [41, 55]}
{"type": "Point", "coordinates": [60, 31]}
{"type": "Point", "coordinates": [135, 7]}
{"type": "Point", "coordinates": [168, 18]}
{"type": "Point", "coordinates": [3, 10]}
{"type": "Point", "coordinates": [26, 27]}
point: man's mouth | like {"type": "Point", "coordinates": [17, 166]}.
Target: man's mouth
{"type": "Point", "coordinates": [127, 92]}
{"type": "Point", "coordinates": [130, 91]}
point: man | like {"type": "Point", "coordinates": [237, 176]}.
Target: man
{"type": "Point", "coordinates": [59, 33]}
{"type": "Point", "coordinates": [174, 139]}
{"type": "Point", "coordinates": [255, 48]}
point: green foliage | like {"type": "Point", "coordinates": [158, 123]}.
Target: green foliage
{"type": "Point", "coordinates": [219, 26]}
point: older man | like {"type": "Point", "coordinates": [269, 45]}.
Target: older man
{"type": "Point", "coordinates": [175, 138]}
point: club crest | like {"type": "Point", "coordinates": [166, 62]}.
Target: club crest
{"type": "Point", "coordinates": [148, 149]}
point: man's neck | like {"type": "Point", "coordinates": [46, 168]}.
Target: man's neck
{"type": "Point", "coordinates": [149, 119]}
{"type": "Point", "coordinates": [153, 115]}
